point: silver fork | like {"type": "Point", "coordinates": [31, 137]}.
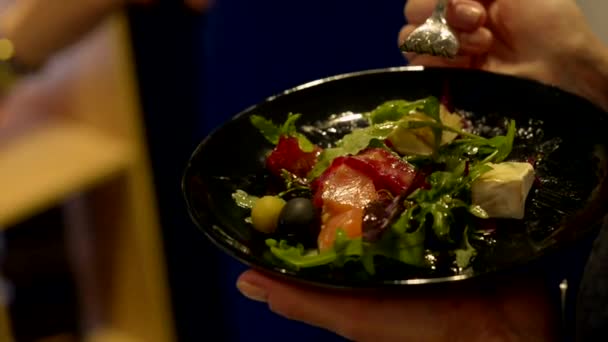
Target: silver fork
{"type": "Point", "coordinates": [434, 37]}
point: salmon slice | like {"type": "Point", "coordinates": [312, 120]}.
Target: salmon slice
{"type": "Point", "coordinates": [348, 187]}
{"type": "Point", "coordinates": [350, 184]}
{"type": "Point", "coordinates": [351, 221]}
{"type": "Point", "coordinates": [345, 193]}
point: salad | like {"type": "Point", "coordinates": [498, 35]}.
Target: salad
{"type": "Point", "coordinates": [413, 185]}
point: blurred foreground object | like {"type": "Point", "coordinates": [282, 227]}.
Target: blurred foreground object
{"type": "Point", "coordinates": [40, 28]}
{"type": "Point", "coordinates": [32, 31]}
{"type": "Point", "coordinates": [73, 138]}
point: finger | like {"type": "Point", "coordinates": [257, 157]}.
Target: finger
{"type": "Point", "coordinates": [462, 15]}
{"type": "Point", "coordinates": [417, 11]}
{"type": "Point", "coordinates": [199, 5]}
{"type": "Point", "coordinates": [347, 315]}
{"type": "Point", "coordinates": [315, 308]}
{"type": "Point", "coordinates": [471, 43]}
{"type": "Point", "coordinates": [429, 315]}
{"type": "Point", "coordinates": [477, 42]}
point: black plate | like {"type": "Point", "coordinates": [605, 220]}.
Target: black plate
{"type": "Point", "coordinates": [563, 133]}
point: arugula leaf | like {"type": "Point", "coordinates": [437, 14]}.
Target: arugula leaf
{"type": "Point", "coordinates": [289, 126]}
{"type": "Point", "coordinates": [351, 144]}
{"type": "Point", "coordinates": [422, 128]}
{"type": "Point", "coordinates": [442, 198]}
{"type": "Point", "coordinates": [466, 253]}
{"type": "Point", "coordinates": [397, 243]}
{"type": "Point", "coordinates": [343, 251]}
{"type": "Point", "coordinates": [495, 149]}
{"type": "Point", "coordinates": [273, 132]}
{"type": "Point", "coordinates": [268, 129]}
{"type": "Point", "coordinates": [431, 108]}
{"type": "Point", "coordinates": [347, 249]}
{"type": "Point", "coordinates": [377, 143]}
{"type": "Point", "coordinates": [294, 184]}
{"type": "Point", "coordinates": [303, 142]}
{"type": "Point", "coordinates": [438, 125]}
{"type": "Point", "coordinates": [243, 199]}
{"type": "Point", "coordinates": [297, 257]}
{"type": "Point", "coordinates": [324, 161]}
{"type": "Point", "coordinates": [359, 139]}
{"type": "Point", "coordinates": [394, 110]}
{"type": "Point", "coordinates": [506, 144]}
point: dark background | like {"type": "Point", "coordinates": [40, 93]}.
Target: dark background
{"type": "Point", "coordinates": [217, 64]}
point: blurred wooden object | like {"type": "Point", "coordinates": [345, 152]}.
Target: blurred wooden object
{"type": "Point", "coordinates": [53, 160]}
{"type": "Point", "coordinates": [73, 136]}
{"type": "Point", "coordinates": [5, 325]}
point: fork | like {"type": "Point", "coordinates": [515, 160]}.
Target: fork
{"type": "Point", "coordinates": [434, 37]}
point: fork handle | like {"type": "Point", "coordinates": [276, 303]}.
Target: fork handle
{"type": "Point", "coordinates": [441, 9]}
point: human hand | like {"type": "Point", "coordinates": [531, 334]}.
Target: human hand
{"type": "Point", "coordinates": [197, 5]}
{"type": "Point", "coordinates": [549, 41]}
{"type": "Point", "coordinates": [518, 311]}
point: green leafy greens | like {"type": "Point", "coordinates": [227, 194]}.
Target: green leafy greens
{"type": "Point", "coordinates": [294, 185]}
{"type": "Point", "coordinates": [383, 121]}
{"type": "Point", "coordinates": [443, 208]}
{"type": "Point", "coordinates": [273, 132]}
{"type": "Point", "coordinates": [351, 144]}
{"type": "Point", "coordinates": [394, 110]}
{"type": "Point", "coordinates": [344, 250]}
{"type": "Point", "coordinates": [396, 244]}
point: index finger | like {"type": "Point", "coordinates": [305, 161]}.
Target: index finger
{"type": "Point", "coordinates": [199, 5]}
{"type": "Point", "coordinates": [464, 15]}
{"type": "Point", "coordinates": [361, 316]}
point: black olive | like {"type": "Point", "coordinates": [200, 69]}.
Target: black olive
{"type": "Point", "coordinates": [299, 219]}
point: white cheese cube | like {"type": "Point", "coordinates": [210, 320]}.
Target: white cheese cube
{"type": "Point", "coordinates": [502, 191]}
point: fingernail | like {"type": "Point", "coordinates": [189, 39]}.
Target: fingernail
{"type": "Point", "coordinates": [467, 15]}
{"type": "Point", "coordinates": [251, 291]}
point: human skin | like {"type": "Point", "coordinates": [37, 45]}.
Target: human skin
{"type": "Point", "coordinates": [548, 40]}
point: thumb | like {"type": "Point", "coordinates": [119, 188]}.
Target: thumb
{"type": "Point", "coordinates": [322, 309]}
{"type": "Point", "coordinates": [360, 315]}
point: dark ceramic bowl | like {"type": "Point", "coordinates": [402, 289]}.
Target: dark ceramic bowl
{"type": "Point", "coordinates": [564, 134]}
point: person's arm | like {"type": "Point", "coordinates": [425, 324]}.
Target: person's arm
{"type": "Point", "coordinates": [590, 73]}
{"type": "Point", "coordinates": [39, 28]}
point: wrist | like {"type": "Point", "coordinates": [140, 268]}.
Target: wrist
{"type": "Point", "coordinates": [588, 72]}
